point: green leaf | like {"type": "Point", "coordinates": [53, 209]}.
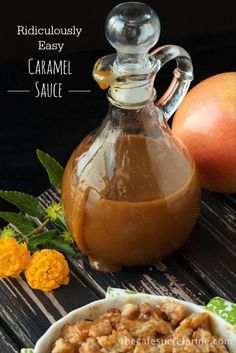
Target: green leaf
{"type": "Point", "coordinates": [23, 224]}
{"type": "Point", "coordinates": [60, 223]}
{"type": "Point", "coordinates": [26, 203]}
{"type": "Point", "coordinates": [61, 245]}
{"type": "Point", "coordinates": [41, 239]}
{"type": "Point", "coordinates": [53, 168]}
{"type": "Point", "coordinates": [49, 240]}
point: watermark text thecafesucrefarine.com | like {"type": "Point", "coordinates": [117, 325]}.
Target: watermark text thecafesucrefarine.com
{"type": "Point", "coordinates": [149, 341]}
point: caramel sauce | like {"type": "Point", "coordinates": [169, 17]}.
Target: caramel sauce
{"type": "Point", "coordinates": [103, 78]}
{"type": "Point", "coordinates": [132, 204]}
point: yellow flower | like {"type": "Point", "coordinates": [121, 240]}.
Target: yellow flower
{"type": "Point", "coordinates": [67, 237]}
{"type": "Point", "coordinates": [47, 270]}
{"type": "Point", "coordinates": [54, 211]}
{"type": "Point", "coordinates": [14, 257]}
{"type": "Point", "coordinates": [7, 232]}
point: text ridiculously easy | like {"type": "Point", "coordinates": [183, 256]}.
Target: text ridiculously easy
{"type": "Point", "coordinates": [49, 31]}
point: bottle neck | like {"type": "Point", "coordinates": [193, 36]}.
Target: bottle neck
{"type": "Point", "coordinates": [134, 121]}
{"type": "Point", "coordinates": [133, 93]}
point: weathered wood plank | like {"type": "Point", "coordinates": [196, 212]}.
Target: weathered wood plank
{"type": "Point", "coordinates": [167, 278]}
{"type": "Point", "coordinates": [48, 196]}
{"type": "Point", "coordinates": [211, 249]}
{"type": "Point", "coordinates": [213, 262]}
{"type": "Point", "coordinates": [220, 211]}
{"type": "Point", "coordinates": [29, 313]}
{"type": "Point", "coordinates": [7, 345]}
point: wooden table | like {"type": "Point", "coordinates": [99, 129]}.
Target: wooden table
{"type": "Point", "coordinates": [202, 269]}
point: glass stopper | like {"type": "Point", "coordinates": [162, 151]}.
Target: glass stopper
{"type": "Point", "coordinates": [132, 28]}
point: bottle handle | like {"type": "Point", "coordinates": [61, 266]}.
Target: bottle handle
{"type": "Point", "coordinates": [183, 75]}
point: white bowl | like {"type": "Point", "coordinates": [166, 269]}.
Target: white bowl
{"type": "Point", "coordinates": [97, 308]}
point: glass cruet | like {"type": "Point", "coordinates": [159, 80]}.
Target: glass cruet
{"type": "Point", "coordinates": [130, 190]}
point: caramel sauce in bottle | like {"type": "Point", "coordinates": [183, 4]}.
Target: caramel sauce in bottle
{"type": "Point", "coordinates": [138, 211]}
{"type": "Point", "coordinates": [130, 190]}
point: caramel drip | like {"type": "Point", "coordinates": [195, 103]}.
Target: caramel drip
{"type": "Point", "coordinates": [103, 78]}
